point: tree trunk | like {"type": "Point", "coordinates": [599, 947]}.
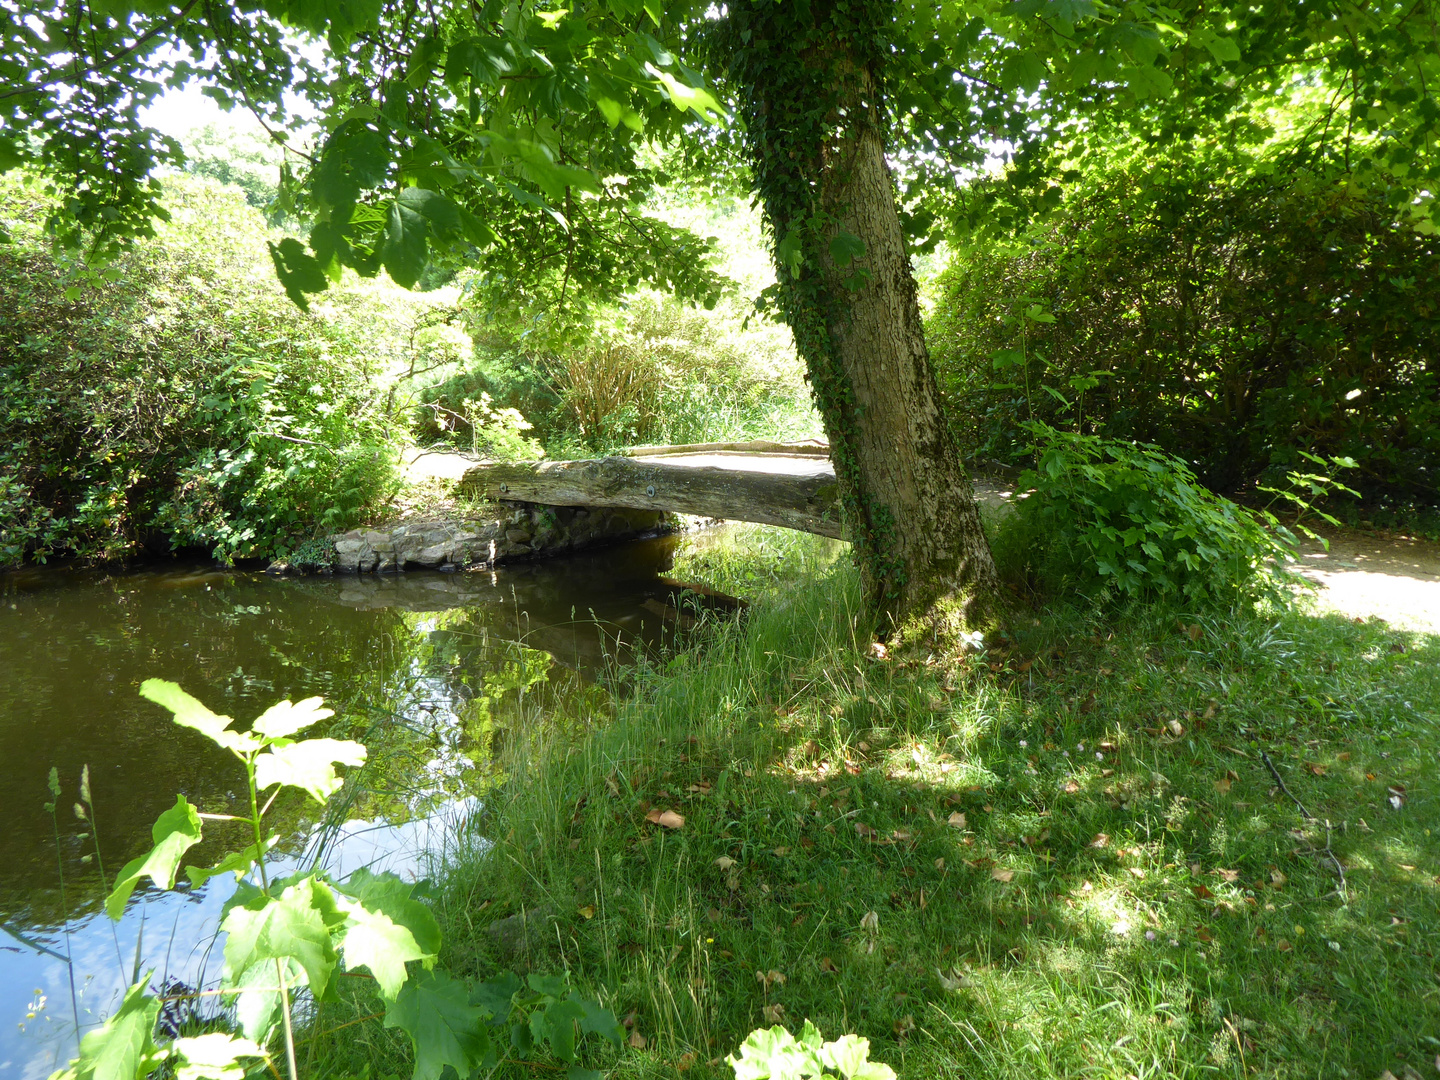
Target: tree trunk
{"type": "Point", "coordinates": [815, 130]}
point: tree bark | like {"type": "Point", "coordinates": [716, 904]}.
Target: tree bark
{"type": "Point", "coordinates": [810, 89]}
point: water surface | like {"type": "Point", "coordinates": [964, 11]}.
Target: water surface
{"type": "Point", "coordinates": [401, 658]}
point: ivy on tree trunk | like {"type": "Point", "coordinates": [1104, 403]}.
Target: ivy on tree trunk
{"type": "Point", "coordinates": [809, 77]}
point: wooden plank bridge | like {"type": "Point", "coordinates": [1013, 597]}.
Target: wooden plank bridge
{"type": "Point", "coordinates": [787, 484]}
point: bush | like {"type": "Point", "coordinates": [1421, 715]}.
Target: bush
{"type": "Point", "coordinates": [1235, 323]}
{"type": "Point", "coordinates": [178, 397]}
{"type": "Point", "coordinates": [1115, 519]}
{"type": "Point", "coordinates": [654, 371]}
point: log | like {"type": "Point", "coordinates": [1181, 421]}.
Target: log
{"type": "Point", "coordinates": [808, 502]}
{"type": "Point", "coordinates": [811, 448]}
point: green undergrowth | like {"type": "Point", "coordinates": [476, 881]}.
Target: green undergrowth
{"type": "Point", "coordinates": [1059, 858]}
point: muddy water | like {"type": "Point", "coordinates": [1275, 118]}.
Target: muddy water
{"type": "Point", "coordinates": [399, 657]}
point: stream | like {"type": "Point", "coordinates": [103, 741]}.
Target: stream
{"type": "Point", "coordinates": [401, 658]}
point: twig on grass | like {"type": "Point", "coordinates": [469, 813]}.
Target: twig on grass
{"type": "Point", "coordinates": [1327, 851]}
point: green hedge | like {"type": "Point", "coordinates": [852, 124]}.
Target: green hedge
{"type": "Point", "coordinates": [1233, 322]}
{"type": "Point", "coordinates": [177, 399]}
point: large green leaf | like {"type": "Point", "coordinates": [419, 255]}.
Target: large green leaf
{"type": "Point", "coordinates": [392, 896]}
{"type": "Point", "coordinates": [123, 1048]}
{"type": "Point", "coordinates": [298, 270]}
{"type": "Point", "coordinates": [308, 765]}
{"type": "Point", "coordinates": [285, 718]}
{"type": "Point", "coordinates": [215, 1056]}
{"type": "Point", "coordinates": [406, 247]}
{"type": "Point", "coordinates": [445, 1029]}
{"type": "Point", "coordinates": [175, 832]}
{"type": "Point", "coordinates": [191, 714]}
{"type": "Point", "coordinates": [373, 940]}
{"type": "Point", "coordinates": [236, 862]}
{"type": "Point", "coordinates": [296, 926]}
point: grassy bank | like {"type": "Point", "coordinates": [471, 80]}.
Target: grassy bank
{"type": "Point", "coordinates": [1063, 858]}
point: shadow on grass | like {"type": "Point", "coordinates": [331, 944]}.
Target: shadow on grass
{"type": "Point", "coordinates": [1064, 859]}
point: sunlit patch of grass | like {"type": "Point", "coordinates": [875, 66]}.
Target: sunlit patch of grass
{"type": "Point", "coordinates": [1063, 857]}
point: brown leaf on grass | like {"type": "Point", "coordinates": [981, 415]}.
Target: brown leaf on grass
{"type": "Point", "coordinates": [922, 900]}
{"type": "Point", "coordinates": [870, 922]}
{"type": "Point", "coordinates": [725, 862]}
{"type": "Point", "coordinates": [781, 852]}
{"type": "Point", "coordinates": [638, 1041]}
{"type": "Point", "coordinates": [1101, 840]}
{"type": "Point", "coordinates": [1277, 878]}
{"type": "Point", "coordinates": [587, 912]}
{"type": "Point", "coordinates": [902, 836]}
{"type": "Point", "coordinates": [774, 1013]}
{"type": "Point", "coordinates": [1136, 871]}
{"type": "Point", "coordinates": [1282, 945]}
{"type": "Point", "coordinates": [702, 788]}
{"type": "Point", "coordinates": [806, 843]}
{"type": "Point", "coordinates": [1175, 728]}
{"type": "Point", "coordinates": [1194, 631]}
{"type": "Point", "coordinates": [1228, 875]}
{"type": "Point", "coordinates": [1001, 874]}
{"type": "Point", "coordinates": [1201, 891]}
{"type": "Point", "coordinates": [686, 1060]}
{"type": "Point", "coordinates": [904, 1026]}
{"type": "Point", "coordinates": [771, 978]}
{"type": "Point", "coordinates": [956, 820]}
{"type": "Point", "coordinates": [1404, 866]}
{"type": "Point", "coordinates": [713, 914]}
{"type": "Point", "coordinates": [1397, 796]}
{"type": "Point", "coordinates": [612, 785]}
{"type": "Point", "coordinates": [1203, 934]}
{"type": "Point", "coordinates": [940, 864]}
{"type": "Point", "coordinates": [1343, 757]}
{"type": "Point", "coordinates": [1071, 787]}
{"type": "Point", "coordinates": [1223, 785]}
{"type": "Point", "coordinates": [877, 651]}
{"type": "Point", "coordinates": [1314, 768]}
{"type": "Point", "coordinates": [828, 966]}
{"type": "Point", "coordinates": [668, 819]}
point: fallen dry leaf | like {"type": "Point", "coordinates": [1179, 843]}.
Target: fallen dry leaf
{"type": "Point", "coordinates": [1228, 875]}
{"type": "Point", "coordinates": [702, 788]}
{"type": "Point", "coordinates": [1201, 891]}
{"type": "Point", "coordinates": [1397, 796]}
{"type": "Point", "coordinates": [1101, 840]}
{"type": "Point", "coordinates": [1175, 728]}
{"type": "Point", "coordinates": [1223, 785]}
{"type": "Point", "coordinates": [588, 911]}
{"type": "Point", "coordinates": [668, 819]}
{"type": "Point", "coordinates": [904, 1026]}
{"type": "Point", "coordinates": [637, 1040]}
{"type": "Point", "coordinates": [827, 965]}
{"type": "Point", "coordinates": [1277, 878]}
{"type": "Point", "coordinates": [713, 914]}
{"type": "Point", "coordinates": [1135, 870]}
{"type": "Point", "coordinates": [774, 1013]}
{"type": "Point", "coordinates": [725, 862]}
{"type": "Point", "coordinates": [1001, 874]}
{"type": "Point", "coordinates": [1315, 768]}
{"type": "Point", "coordinates": [1071, 787]}
{"type": "Point", "coordinates": [870, 921]}
{"type": "Point", "coordinates": [956, 820]}
{"type": "Point", "coordinates": [1283, 945]}
{"type": "Point", "coordinates": [768, 979]}
{"type": "Point", "coordinates": [686, 1060]}
{"type": "Point", "coordinates": [939, 864]}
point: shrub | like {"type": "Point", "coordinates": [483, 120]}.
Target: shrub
{"type": "Point", "coordinates": [1115, 519]}
{"type": "Point", "coordinates": [653, 371]}
{"type": "Point", "coordinates": [179, 397]}
{"type": "Point", "coordinates": [1233, 322]}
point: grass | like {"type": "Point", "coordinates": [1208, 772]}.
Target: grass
{"type": "Point", "coordinates": [1063, 858]}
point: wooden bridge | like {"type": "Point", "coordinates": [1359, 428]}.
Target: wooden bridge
{"type": "Point", "coordinates": [787, 484]}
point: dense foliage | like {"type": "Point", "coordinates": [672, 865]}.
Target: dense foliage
{"type": "Point", "coordinates": [1233, 319]}
{"type": "Point", "coordinates": [179, 401]}
{"type": "Point", "coordinates": [649, 371]}
{"type": "Point", "coordinates": [1109, 519]}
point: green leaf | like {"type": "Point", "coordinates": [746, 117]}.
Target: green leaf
{"type": "Point", "coordinates": [191, 714]}
{"type": "Point", "coordinates": [285, 718]}
{"type": "Point", "coordinates": [405, 248]}
{"type": "Point", "coordinates": [559, 1021]}
{"type": "Point", "coordinates": [596, 1020]}
{"type": "Point", "coordinates": [790, 252]}
{"type": "Point", "coordinates": [175, 832]}
{"type": "Point", "coordinates": [236, 862]}
{"type": "Point", "coordinates": [444, 1028]}
{"type": "Point", "coordinates": [373, 940]}
{"type": "Point", "coordinates": [215, 1056]}
{"type": "Point", "coordinates": [497, 995]}
{"type": "Point", "coordinates": [393, 897]}
{"type": "Point", "coordinates": [124, 1047]}
{"type": "Point", "coordinates": [298, 270]}
{"type": "Point", "coordinates": [845, 248]}
{"type": "Point", "coordinates": [575, 1072]}
{"type": "Point", "coordinates": [308, 765]}
{"type": "Point", "coordinates": [774, 1053]}
{"type": "Point", "coordinates": [295, 926]}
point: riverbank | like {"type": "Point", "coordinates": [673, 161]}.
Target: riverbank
{"type": "Point", "coordinates": [1064, 856]}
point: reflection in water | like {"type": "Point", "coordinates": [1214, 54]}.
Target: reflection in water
{"type": "Point", "coordinates": [422, 667]}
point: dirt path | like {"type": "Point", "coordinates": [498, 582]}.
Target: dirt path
{"type": "Point", "coordinates": [1396, 578]}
